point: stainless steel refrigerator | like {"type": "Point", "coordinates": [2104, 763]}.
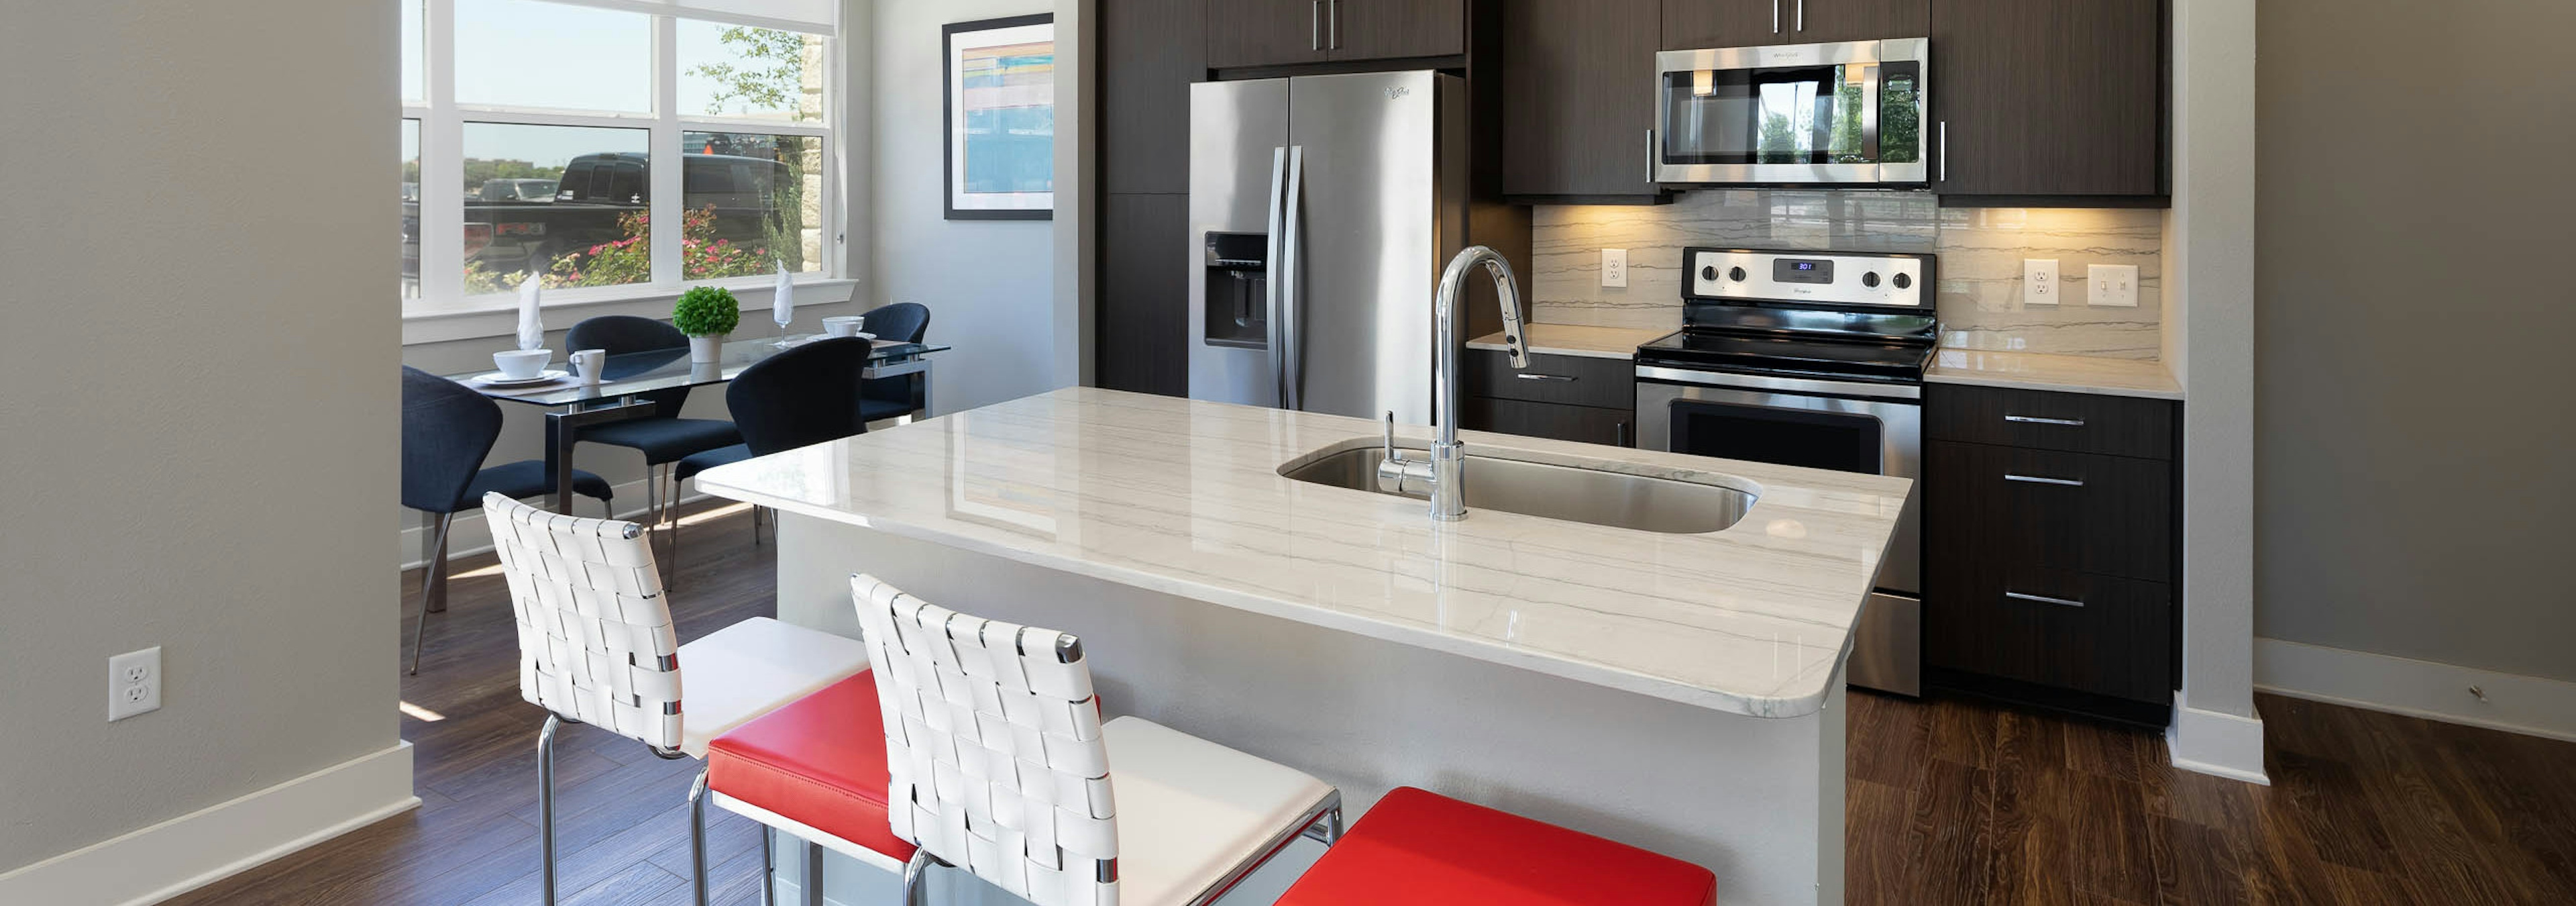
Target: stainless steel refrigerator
{"type": "Point", "coordinates": [1321, 211]}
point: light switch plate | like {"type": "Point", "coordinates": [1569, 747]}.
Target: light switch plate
{"type": "Point", "coordinates": [1614, 268]}
{"type": "Point", "coordinates": [133, 683]}
{"type": "Point", "coordinates": [2039, 281]}
{"type": "Point", "coordinates": [2113, 285]}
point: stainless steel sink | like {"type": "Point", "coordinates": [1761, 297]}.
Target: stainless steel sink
{"type": "Point", "coordinates": [1549, 491]}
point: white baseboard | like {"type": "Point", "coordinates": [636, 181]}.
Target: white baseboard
{"type": "Point", "coordinates": [208, 845]}
{"type": "Point", "coordinates": [2216, 743]}
{"type": "Point", "coordinates": [2518, 704]}
{"type": "Point", "coordinates": [468, 536]}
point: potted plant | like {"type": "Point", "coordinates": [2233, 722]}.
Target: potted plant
{"type": "Point", "coordinates": [706, 314]}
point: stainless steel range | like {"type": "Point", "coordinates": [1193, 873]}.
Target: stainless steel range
{"type": "Point", "coordinates": [1808, 359]}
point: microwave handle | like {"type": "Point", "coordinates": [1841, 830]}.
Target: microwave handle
{"type": "Point", "coordinates": [1650, 155]}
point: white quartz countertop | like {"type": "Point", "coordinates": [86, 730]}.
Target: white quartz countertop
{"type": "Point", "coordinates": [1185, 498]}
{"type": "Point", "coordinates": [2041, 371]}
{"type": "Point", "coordinates": [1573, 339]}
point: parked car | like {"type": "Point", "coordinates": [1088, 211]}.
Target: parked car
{"type": "Point", "coordinates": [510, 228]}
{"type": "Point", "coordinates": [526, 190]}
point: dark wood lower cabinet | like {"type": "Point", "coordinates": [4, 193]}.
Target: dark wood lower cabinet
{"type": "Point", "coordinates": [2048, 574]}
{"type": "Point", "coordinates": [1583, 424]}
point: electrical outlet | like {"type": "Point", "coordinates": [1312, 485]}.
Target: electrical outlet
{"type": "Point", "coordinates": [133, 683]}
{"type": "Point", "coordinates": [2114, 285]}
{"type": "Point", "coordinates": [1614, 268]}
{"type": "Point", "coordinates": [2039, 281]}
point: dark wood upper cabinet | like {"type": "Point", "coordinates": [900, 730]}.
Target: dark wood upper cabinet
{"type": "Point", "coordinates": [1707, 24]}
{"type": "Point", "coordinates": [1578, 97]}
{"type": "Point", "coordinates": [1264, 32]}
{"type": "Point", "coordinates": [1824, 21]}
{"type": "Point", "coordinates": [1394, 29]}
{"type": "Point", "coordinates": [1160, 47]}
{"type": "Point", "coordinates": [2048, 97]}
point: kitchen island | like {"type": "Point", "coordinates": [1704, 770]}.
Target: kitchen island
{"type": "Point", "coordinates": [1679, 692]}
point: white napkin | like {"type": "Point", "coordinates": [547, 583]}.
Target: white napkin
{"type": "Point", "coordinates": [782, 304]}
{"type": "Point", "coordinates": [532, 329]}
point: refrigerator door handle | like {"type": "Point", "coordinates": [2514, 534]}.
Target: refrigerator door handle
{"type": "Point", "coordinates": [1277, 263]}
{"type": "Point", "coordinates": [1292, 303]}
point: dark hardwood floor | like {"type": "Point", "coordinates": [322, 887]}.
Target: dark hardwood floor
{"type": "Point", "coordinates": [1949, 801]}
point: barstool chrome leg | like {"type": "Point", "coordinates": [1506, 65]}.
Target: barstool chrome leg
{"type": "Point", "coordinates": [698, 837]}
{"type": "Point", "coordinates": [915, 872]}
{"type": "Point", "coordinates": [546, 801]}
{"type": "Point", "coordinates": [768, 865]}
{"type": "Point", "coordinates": [813, 874]}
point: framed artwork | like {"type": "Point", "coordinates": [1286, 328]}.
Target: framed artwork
{"type": "Point", "coordinates": [999, 101]}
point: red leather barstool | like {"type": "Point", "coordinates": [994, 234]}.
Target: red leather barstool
{"type": "Point", "coordinates": [815, 769]}
{"type": "Point", "coordinates": [1424, 849]}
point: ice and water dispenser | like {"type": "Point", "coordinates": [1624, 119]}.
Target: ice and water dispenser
{"type": "Point", "coordinates": [1238, 290]}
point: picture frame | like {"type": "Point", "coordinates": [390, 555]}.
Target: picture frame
{"type": "Point", "coordinates": [997, 118]}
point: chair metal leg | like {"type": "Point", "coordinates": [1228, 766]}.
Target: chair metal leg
{"type": "Point", "coordinates": [652, 496]}
{"type": "Point", "coordinates": [546, 801]}
{"type": "Point", "coordinates": [698, 837]}
{"type": "Point", "coordinates": [433, 585]}
{"type": "Point", "coordinates": [671, 568]}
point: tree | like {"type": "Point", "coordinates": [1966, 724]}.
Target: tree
{"type": "Point", "coordinates": [773, 74]}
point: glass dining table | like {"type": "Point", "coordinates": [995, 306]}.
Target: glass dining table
{"type": "Point", "coordinates": [572, 405]}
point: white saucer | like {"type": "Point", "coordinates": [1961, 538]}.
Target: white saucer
{"type": "Point", "coordinates": [496, 379]}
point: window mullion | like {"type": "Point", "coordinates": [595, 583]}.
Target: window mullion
{"type": "Point", "coordinates": [667, 207]}
{"type": "Point", "coordinates": [442, 164]}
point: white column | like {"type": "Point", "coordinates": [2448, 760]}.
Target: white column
{"type": "Point", "coordinates": [1075, 193]}
{"type": "Point", "coordinates": [2210, 241]}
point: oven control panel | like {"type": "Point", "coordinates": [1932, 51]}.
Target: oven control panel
{"type": "Point", "coordinates": [1902, 281]}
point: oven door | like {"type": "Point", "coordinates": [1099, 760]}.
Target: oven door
{"type": "Point", "coordinates": [1797, 113]}
{"type": "Point", "coordinates": [1844, 426]}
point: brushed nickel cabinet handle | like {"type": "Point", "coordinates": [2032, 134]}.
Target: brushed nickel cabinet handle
{"type": "Point", "coordinates": [1945, 150]}
{"type": "Point", "coordinates": [1802, 15]}
{"type": "Point", "coordinates": [1775, 16]}
{"type": "Point", "coordinates": [1650, 155]}
{"type": "Point", "coordinates": [1335, 25]}
{"type": "Point", "coordinates": [2036, 420]}
{"type": "Point", "coordinates": [2033, 479]}
{"type": "Point", "coordinates": [1315, 25]}
{"type": "Point", "coordinates": [2043, 599]}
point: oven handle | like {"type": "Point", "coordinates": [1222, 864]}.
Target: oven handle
{"type": "Point", "coordinates": [1786, 385]}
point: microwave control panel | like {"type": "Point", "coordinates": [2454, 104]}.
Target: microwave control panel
{"type": "Point", "coordinates": [1744, 275]}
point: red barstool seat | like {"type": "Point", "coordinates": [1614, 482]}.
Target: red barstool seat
{"type": "Point", "coordinates": [1424, 849]}
{"type": "Point", "coordinates": [816, 769]}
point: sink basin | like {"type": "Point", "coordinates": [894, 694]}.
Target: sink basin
{"type": "Point", "coordinates": [1547, 490]}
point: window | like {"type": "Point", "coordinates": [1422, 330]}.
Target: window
{"type": "Point", "coordinates": [550, 138]}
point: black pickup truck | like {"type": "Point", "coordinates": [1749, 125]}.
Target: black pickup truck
{"type": "Point", "coordinates": [510, 228]}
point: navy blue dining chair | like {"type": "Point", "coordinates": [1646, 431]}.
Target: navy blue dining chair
{"type": "Point", "coordinates": [901, 322]}
{"type": "Point", "coordinates": [663, 437]}
{"type": "Point", "coordinates": [447, 431]}
{"type": "Point", "coordinates": [798, 398]}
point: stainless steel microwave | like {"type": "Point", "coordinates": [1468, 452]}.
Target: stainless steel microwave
{"type": "Point", "coordinates": [1849, 113]}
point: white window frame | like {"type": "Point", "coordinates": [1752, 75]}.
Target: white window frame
{"type": "Point", "coordinates": [442, 146]}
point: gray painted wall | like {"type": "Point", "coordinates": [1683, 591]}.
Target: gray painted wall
{"type": "Point", "coordinates": [990, 284]}
{"type": "Point", "coordinates": [201, 427]}
{"type": "Point", "coordinates": [2413, 468]}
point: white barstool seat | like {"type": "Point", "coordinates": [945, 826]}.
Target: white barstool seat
{"type": "Point", "coordinates": [751, 668]}
{"type": "Point", "coordinates": [1191, 812]}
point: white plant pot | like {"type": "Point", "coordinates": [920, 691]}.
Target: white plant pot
{"type": "Point", "coordinates": [706, 350]}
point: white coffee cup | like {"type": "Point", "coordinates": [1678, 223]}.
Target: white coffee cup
{"type": "Point", "coordinates": [586, 364]}
{"type": "Point", "coordinates": [844, 325]}
{"type": "Point", "coordinates": [522, 364]}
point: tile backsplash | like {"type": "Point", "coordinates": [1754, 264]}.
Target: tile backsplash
{"type": "Point", "coordinates": [1980, 250]}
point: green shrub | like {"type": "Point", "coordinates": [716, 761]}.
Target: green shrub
{"type": "Point", "coordinates": [706, 311]}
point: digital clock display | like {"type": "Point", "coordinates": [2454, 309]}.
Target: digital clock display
{"type": "Point", "coordinates": [1802, 270]}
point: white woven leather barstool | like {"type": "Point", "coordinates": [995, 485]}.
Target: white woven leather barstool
{"type": "Point", "coordinates": [1000, 764]}
{"type": "Point", "coordinates": [596, 646]}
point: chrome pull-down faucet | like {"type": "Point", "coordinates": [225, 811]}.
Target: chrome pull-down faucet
{"type": "Point", "coordinates": [1443, 476]}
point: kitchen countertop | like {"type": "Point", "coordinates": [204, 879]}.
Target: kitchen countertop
{"type": "Point", "coordinates": [2069, 373]}
{"type": "Point", "coordinates": [1185, 498]}
{"type": "Point", "coordinates": [1570, 339]}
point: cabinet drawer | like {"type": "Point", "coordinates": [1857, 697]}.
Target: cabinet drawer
{"type": "Point", "coordinates": [2085, 512]}
{"type": "Point", "coordinates": [2099, 634]}
{"type": "Point", "coordinates": [1570, 379]}
{"type": "Point", "coordinates": [1582, 424]}
{"type": "Point", "coordinates": [2048, 420]}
